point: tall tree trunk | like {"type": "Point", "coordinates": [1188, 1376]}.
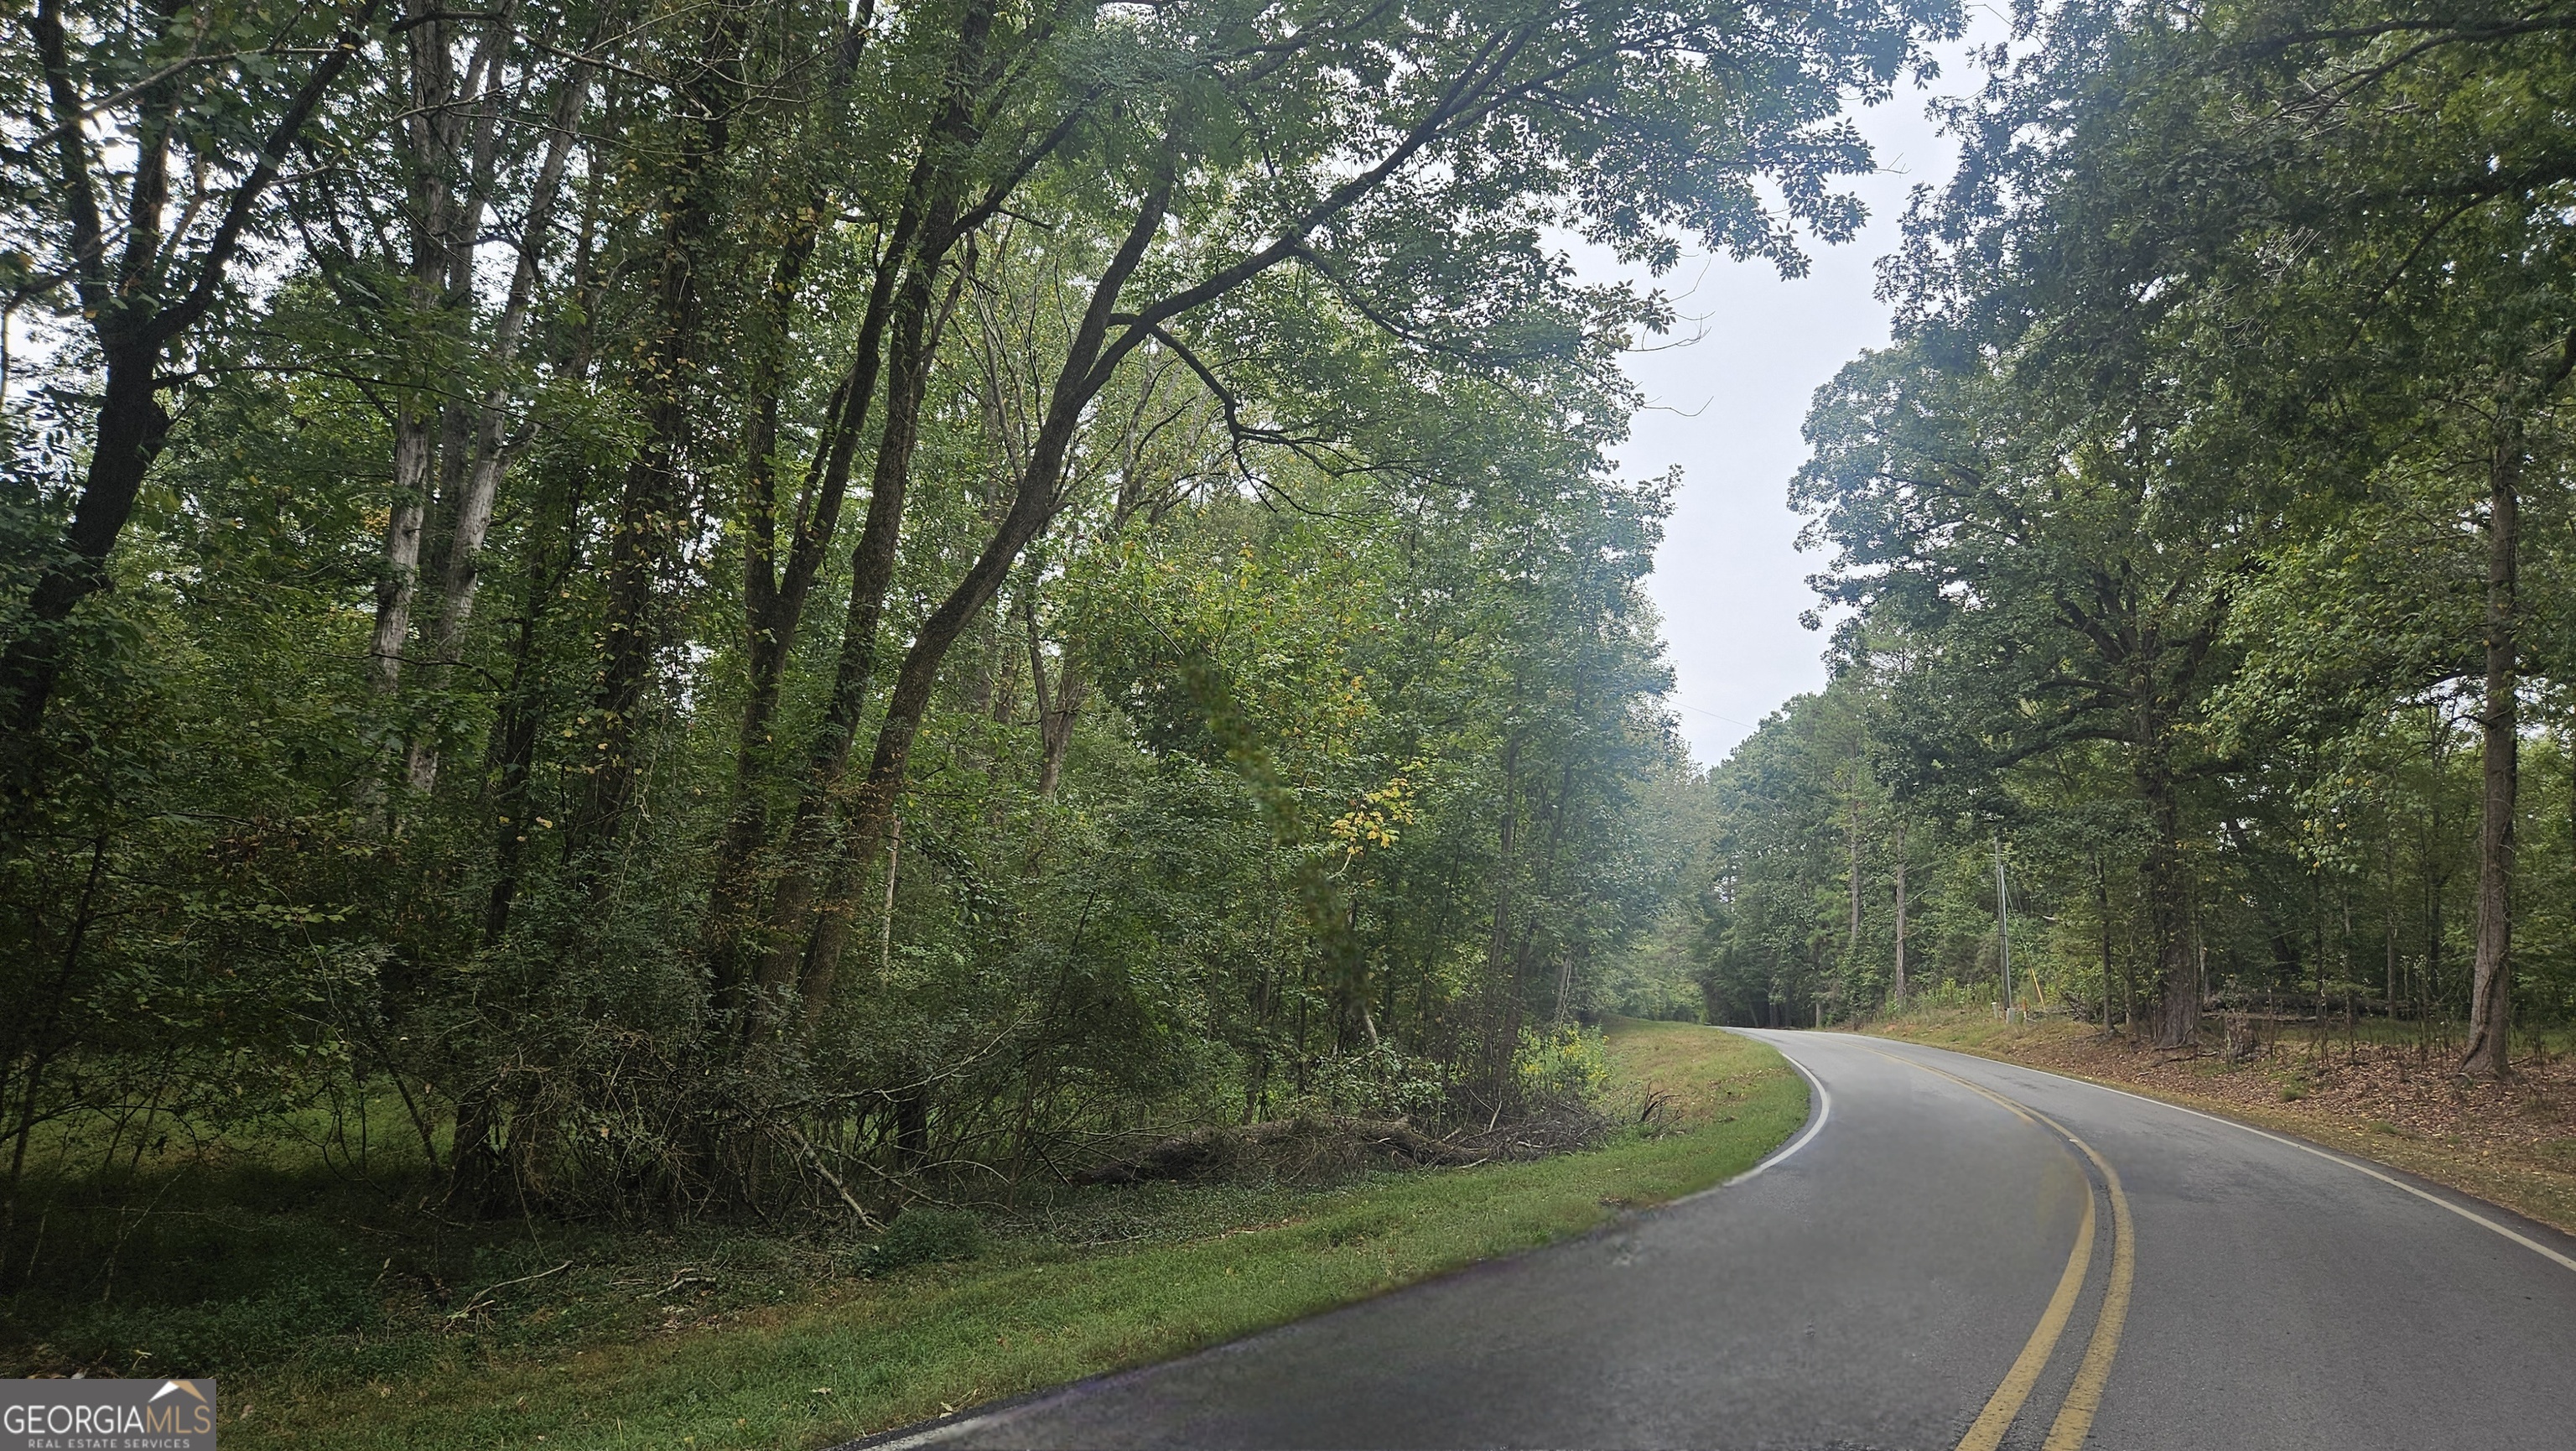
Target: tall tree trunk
{"type": "Point", "coordinates": [775, 589]}
{"type": "Point", "coordinates": [510, 772]}
{"type": "Point", "coordinates": [1034, 502]}
{"type": "Point", "coordinates": [1851, 944]}
{"type": "Point", "coordinates": [398, 562]}
{"type": "Point", "coordinates": [652, 510]}
{"type": "Point", "coordinates": [774, 607]}
{"type": "Point", "coordinates": [1499, 987]}
{"type": "Point", "coordinates": [1091, 359]}
{"type": "Point", "coordinates": [774, 604]}
{"type": "Point", "coordinates": [2388, 856]}
{"type": "Point", "coordinates": [2102, 908]}
{"type": "Point", "coordinates": [430, 128]}
{"type": "Point", "coordinates": [472, 522]}
{"type": "Point", "coordinates": [896, 332]}
{"type": "Point", "coordinates": [454, 130]}
{"type": "Point", "coordinates": [132, 426]}
{"type": "Point", "coordinates": [2437, 880]}
{"type": "Point", "coordinates": [2490, 1040]}
{"type": "Point", "coordinates": [1057, 707]}
{"type": "Point", "coordinates": [136, 323]}
{"type": "Point", "coordinates": [1901, 908]}
{"type": "Point", "coordinates": [2169, 900]}
{"type": "Point", "coordinates": [510, 753]}
{"type": "Point", "coordinates": [819, 862]}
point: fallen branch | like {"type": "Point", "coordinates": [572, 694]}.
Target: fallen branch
{"type": "Point", "coordinates": [686, 1278]}
{"type": "Point", "coordinates": [1218, 1148]}
{"type": "Point", "coordinates": [858, 1211]}
{"type": "Point", "coordinates": [484, 1294]}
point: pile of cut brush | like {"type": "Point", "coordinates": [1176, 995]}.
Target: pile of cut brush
{"type": "Point", "coordinates": [1317, 1148]}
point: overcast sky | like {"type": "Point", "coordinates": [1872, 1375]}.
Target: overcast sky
{"type": "Point", "coordinates": [1727, 409]}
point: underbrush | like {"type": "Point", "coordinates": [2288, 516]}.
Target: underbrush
{"type": "Point", "coordinates": [329, 1328]}
{"type": "Point", "coordinates": [226, 1274]}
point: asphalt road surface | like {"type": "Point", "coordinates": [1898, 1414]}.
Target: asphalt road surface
{"type": "Point", "coordinates": [1951, 1253]}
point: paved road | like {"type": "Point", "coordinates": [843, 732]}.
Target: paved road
{"type": "Point", "coordinates": [1939, 1260]}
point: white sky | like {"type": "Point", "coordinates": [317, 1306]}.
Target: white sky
{"type": "Point", "coordinates": [1728, 407]}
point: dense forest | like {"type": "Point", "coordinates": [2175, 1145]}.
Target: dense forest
{"type": "Point", "coordinates": [2198, 554]}
{"type": "Point", "coordinates": [698, 610]}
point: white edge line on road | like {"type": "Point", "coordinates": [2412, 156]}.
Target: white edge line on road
{"type": "Point", "coordinates": [2471, 1215]}
{"type": "Point", "coordinates": [924, 1438]}
{"type": "Point", "coordinates": [1824, 1110]}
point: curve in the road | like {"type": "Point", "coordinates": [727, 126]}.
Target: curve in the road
{"type": "Point", "coordinates": [1820, 1108]}
{"type": "Point", "coordinates": [1987, 1432]}
{"type": "Point", "coordinates": [2472, 1216]}
{"type": "Point", "coordinates": [2084, 1395]}
{"type": "Point", "coordinates": [1876, 1285]}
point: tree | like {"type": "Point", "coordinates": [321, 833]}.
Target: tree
{"type": "Point", "coordinates": [1234, 693]}
{"type": "Point", "coordinates": [210, 132]}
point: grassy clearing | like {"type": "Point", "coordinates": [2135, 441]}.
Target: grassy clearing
{"type": "Point", "coordinates": [2381, 1093]}
{"type": "Point", "coordinates": [1113, 1278]}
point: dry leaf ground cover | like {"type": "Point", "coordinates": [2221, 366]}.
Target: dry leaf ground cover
{"type": "Point", "coordinates": [2381, 1091]}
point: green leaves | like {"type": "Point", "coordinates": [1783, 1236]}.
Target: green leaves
{"type": "Point", "coordinates": [2164, 523]}
{"type": "Point", "coordinates": [1264, 699]}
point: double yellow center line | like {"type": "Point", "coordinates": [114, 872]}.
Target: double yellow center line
{"type": "Point", "coordinates": [2084, 1397]}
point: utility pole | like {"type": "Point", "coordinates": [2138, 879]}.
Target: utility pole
{"type": "Point", "coordinates": [2003, 924]}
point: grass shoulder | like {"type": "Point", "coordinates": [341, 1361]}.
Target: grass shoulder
{"type": "Point", "coordinates": [2391, 1097]}
{"type": "Point", "coordinates": [1141, 1273]}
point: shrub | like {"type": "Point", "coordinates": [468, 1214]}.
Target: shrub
{"type": "Point", "coordinates": [1379, 1082]}
{"type": "Point", "coordinates": [926, 1236]}
{"type": "Point", "coordinates": [1566, 1062]}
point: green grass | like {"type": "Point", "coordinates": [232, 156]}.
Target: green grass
{"type": "Point", "coordinates": [1974, 1029]}
{"type": "Point", "coordinates": [850, 1356]}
